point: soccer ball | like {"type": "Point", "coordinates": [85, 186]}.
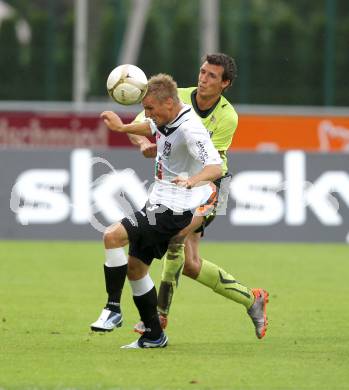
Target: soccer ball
{"type": "Point", "coordinates": [127, 84]}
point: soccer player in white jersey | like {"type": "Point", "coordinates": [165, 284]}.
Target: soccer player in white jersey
{"type": "Point", "coordinates": [186, 162]}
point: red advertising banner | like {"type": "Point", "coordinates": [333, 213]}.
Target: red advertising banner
{"type": "Point", "coordinates": [255, 132]}
{"type": "Point", "coordinates": [25, 130]}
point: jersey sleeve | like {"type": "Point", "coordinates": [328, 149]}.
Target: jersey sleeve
{"type": "Point", "coordinates": [223, 135]}
{"type": "Point", "coordinates": [200, 146]}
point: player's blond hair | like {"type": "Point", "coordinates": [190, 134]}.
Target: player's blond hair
{"type": "Point", "coordinates": [162, 86]}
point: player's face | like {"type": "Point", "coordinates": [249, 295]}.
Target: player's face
{"type": "Point", "coordinates": [210, 82]}
{"type": "Point", "coordinates": [158, 111]}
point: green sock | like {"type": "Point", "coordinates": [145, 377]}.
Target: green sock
{"type": "Point", "coordinates": [224, 284]}
{"type": "Point", "coordinates": [173, 263]}
{"type": "Point", "coordinates": [171, 271]}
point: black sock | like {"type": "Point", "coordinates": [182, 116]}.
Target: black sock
{"type": "Point", "coordinates": [147, 308]}
{"type": "Point", "coordinates": [114, 283]}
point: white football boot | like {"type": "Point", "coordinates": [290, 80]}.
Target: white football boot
{"type": "Point", "coordinates": [107, 321]}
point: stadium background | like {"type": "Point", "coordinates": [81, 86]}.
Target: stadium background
{"type": "Point", "coordinates": [62, 174]}
{"type": "Point", "coordinates": [291, 93]}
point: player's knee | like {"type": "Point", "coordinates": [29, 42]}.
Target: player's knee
{"type": "Point", "coordinates": [111, 239]}
{"type": "Point", "coordinates": [115, 236]}
{"type": "Point", "coordinates": [192, 266]}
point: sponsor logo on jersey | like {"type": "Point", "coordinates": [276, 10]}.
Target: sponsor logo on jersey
{"type": "Point", "coordinates": [167, 149]}
{"type": "Point", "coordinates": [203, 155]}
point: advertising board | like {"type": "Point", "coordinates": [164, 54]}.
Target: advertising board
{"type": "Point", "coordinates": [74, 194]}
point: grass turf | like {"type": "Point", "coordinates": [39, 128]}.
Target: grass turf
{"type": "Point", "coordinates": [51, 291]}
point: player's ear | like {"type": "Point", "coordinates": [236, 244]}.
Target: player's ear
{"type": "Point", "coordinates": [225, 84]}
{"type": "Point", "coordinates": [169, 102]}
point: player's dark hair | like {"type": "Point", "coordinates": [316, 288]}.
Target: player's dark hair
{"type": "Point", "coordinates": [162, 86]}
{"type": "Point", "coordinates": [228, 63]}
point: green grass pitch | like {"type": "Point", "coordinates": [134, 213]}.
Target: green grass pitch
{"type": "Point", "coordinates": [51, 291]}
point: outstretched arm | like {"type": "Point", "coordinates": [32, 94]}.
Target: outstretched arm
{"type": "Point", "coordinates": [114, 123]}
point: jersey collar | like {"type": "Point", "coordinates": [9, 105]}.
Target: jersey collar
{"type": "Point", "coordinates": [177, 121]}
{"type": "Point", "coordinates": [202, 113]}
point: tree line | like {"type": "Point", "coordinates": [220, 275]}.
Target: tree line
{"type": "Point", "coordinates": [287, 52]}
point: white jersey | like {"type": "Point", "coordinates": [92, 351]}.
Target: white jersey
{"type": "Point", "coordinates": [184, 147]}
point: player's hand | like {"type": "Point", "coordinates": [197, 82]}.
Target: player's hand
{"type": "Point", "coordinates": [182, 182]}
{"type": "Point", "coordinates": [149, 150]}
{"type": "Point", "coordinates": [113, 121]}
